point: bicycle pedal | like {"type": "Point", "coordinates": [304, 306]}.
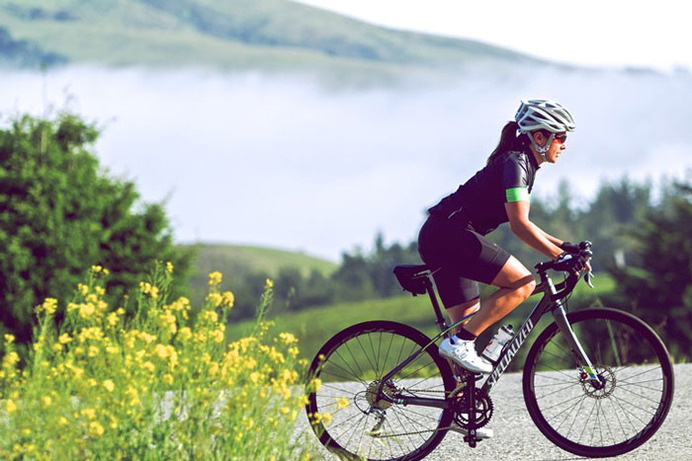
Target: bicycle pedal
{"type": "Point", "coordinates": [472, 441]}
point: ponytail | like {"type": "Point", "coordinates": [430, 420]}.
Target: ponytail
{"type": "Point", "coordinates": [509, 140]}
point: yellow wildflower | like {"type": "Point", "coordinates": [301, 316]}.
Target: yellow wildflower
{"type": "Point", "coordinates": [227, 299]}
{"type": "Point", "coordinates": [147, 338]}
{"type": "Point", "coordinates": [215, 278]}
{"type": "Point", "coordinates": [86, 310]}
{"type": "Point", "coordinates": [163, 352]}
{"type": "Point", "coordinates": [211, 316]}
{"type": "Point", "coordinates": [95, 429]}
{"type": "Point", "coordinates": [293, 352]}
{"type": "Point", "coordinates": [134, 396]}
{"type": "Point", "coordinates": [217, 336]}
{"type": "Point", "coordinates": [169, 267]}
{"type": "Point", "coordinates": [112, 319]}
{"type": "Point", "coordinates": [109, 385]}
{"type": "Point", "coordinates": [185, 334]}
{"type": "Point", "coordinates": [46, 401]}
{"type": "Point", "coordinates": [341, 403]}
{"type": "Point", "coordinates": [214, 299]}
{"type": "Point", "coordinates": [83, 289]}
{"type": "Point", "coordinates": [97, 269]}
{"type": "Point", "coordinates": [315, 384]}
{"type": "Point", "coordinates": [10, 406]}
{"type": "Point", "coordinates": [149, 289]}
{"type": "Point", "coordinates": [287, 338]}
{"type": "Point", "coordinates": [64, 338]}
{"type": "Point", "coordinates": [49, 306]}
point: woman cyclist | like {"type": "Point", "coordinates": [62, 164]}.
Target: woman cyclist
{"type": "Point", "coordinates": [453, 241]}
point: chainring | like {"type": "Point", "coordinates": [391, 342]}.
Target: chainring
{"type": "Point", "coordinates": [484, 410]}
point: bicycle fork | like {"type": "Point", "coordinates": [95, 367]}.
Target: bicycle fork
{"type": "Point", "coordinates": [575, 347]}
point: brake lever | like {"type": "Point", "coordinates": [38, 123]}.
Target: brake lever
{"type": "Point", "coordinates": [588, 278]}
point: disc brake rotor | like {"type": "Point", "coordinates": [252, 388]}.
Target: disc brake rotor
{"type": "Point", "coordinates": [608, 381]}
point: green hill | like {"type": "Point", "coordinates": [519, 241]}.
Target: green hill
{"type": "Point", "coordinates": [245, 268]}
{"type": "Point", "coordinates": [230, 35]}
{"type": "Point", "coordinates": [232, 258]}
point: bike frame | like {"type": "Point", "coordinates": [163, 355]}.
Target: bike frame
{"type": "Point", "coordinates": [551, 301]}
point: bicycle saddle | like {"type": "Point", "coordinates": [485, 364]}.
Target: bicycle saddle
{"type": "Point", "coordinates": [413, 278]}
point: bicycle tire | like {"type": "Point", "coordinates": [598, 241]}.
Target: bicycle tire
{"type": "Point", "coordinates": [637, 392]}
{"type": "Point", "coordinates": [350, 366]}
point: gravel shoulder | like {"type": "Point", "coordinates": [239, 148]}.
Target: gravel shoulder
{"type": "Point", "coordinates": [517, 438]}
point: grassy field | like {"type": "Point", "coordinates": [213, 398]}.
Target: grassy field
{"type": "Point", "coordinates": [314, 327]}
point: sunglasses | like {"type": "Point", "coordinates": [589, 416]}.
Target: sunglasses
{"type": "Point", "coordinates": [561, 138]}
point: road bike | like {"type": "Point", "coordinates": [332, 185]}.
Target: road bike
{"type": "Point", "coordinates": [597, 382]}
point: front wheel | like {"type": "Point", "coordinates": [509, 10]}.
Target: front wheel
{"type": "Point", "coordinates": [615, 414]}
{"type": "Point", "coordinates": [356, 415]}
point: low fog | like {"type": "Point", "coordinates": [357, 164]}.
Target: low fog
{"type": "Point", "coordinates": [286, 162]}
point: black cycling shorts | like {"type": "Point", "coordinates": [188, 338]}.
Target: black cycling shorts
{"type": "Point", "coordinates": [460, 258]}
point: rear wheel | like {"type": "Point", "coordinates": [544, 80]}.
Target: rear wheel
{"type": "Point", "coordinates": [619, 412]}
{"type": "Point", "coordinates": [355, 421]}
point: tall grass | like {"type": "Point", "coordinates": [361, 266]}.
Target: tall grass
{"type": "Point", "coordinates": [160, 384]}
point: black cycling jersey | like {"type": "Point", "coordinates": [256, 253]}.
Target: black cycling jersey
{"type": "Point", "coordinates": [480, 202]}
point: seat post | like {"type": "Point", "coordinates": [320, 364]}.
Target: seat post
{"type": "Point", "coordinates": [440, 320]}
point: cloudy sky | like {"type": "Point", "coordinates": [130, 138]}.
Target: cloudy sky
{"type": "Point", "coordinates": [588, 32]}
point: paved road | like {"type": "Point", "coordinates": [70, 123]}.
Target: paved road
{"type": "Point", "coordinates": [517, 438]}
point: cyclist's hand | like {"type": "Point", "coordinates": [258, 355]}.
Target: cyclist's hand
{"type": "Point", "coordinates": [573, 264]}
{"type": "Point", "coordinates": [570, 248]}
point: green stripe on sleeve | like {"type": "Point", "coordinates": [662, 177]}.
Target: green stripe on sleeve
{"type": "Point", "coordinates": [517, 194]}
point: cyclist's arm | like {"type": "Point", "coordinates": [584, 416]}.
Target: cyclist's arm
{"type": "Point", "coordinates": [528, 232]}
{"type": "Point", "coordinates": [554, 240]}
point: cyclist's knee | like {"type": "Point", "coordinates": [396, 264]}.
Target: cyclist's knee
{"type": "Point", "coordinates": [527, 286]}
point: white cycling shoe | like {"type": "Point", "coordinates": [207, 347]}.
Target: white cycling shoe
{"type": "Point", "coordinates": [481, 432]}
{"type": "Point", "coordinates": [464, 354]}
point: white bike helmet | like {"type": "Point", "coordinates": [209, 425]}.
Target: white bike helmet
{"type": "Point", "coordinates": [543, 114]}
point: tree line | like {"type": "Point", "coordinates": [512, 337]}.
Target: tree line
{"type": "Point", "coordinates": [364, 275]}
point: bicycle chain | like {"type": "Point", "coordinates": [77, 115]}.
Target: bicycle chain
{"type": "Point", "coordinates": [451, 394]}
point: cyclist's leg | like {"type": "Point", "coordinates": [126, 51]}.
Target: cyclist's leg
{"type": "Point", "coordinates": [462, 310]}
{"type": "Point", "coordinates": [515, 284]}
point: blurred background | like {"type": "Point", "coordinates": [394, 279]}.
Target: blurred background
{"type": "Point", "coordinates": [326, 128]}
{"type": "Point", "coordinates": [274, 123]}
